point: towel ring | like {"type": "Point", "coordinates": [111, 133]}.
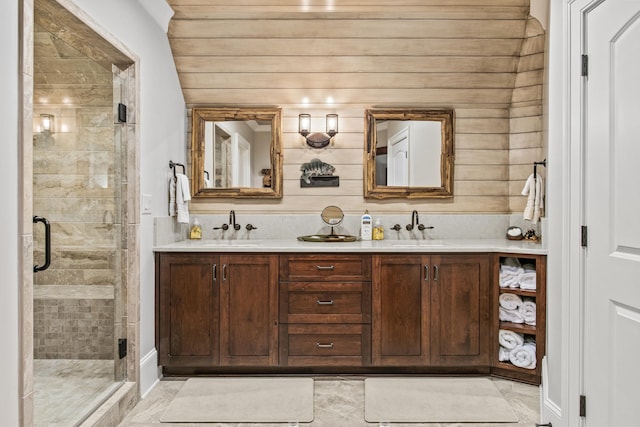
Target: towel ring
{"type": "Point", "coordinates": [535, 167]}
{"type": "Point", "coordinates": [173, 165]}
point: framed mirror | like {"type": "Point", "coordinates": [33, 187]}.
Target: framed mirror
{"type": "Point", "coordinates": [236, 152]}
{"type": "Point", "coordinates": [409, 153]}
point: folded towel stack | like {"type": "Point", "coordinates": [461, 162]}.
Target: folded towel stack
{"type": "Point", "coordinates": [515, 349]}
{"type": "Point", "coordinates": [513, 275]}
{"type": "Point", "coordinates": [517, 310]}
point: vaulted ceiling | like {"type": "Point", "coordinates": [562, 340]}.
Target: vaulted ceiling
{"type": "Point", "coordinates": [360, 52]}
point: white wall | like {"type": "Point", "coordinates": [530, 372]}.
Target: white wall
{"type": "Point", "coordinates": [11, 248]}
{"type": "Point", "coordinates": [162, 134]}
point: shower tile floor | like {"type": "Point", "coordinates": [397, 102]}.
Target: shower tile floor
{"type": "Point", "coordinates": [66, 391]}
{"type": "Point", "coordinates": [338, 402]}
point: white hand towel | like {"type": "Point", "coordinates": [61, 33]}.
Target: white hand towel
{"type": "Point", "coordinates": [512, 316]}
{"type": "Point", "coordinates": [510, 339]}
{"type": "Point", "coordinates": [207, 183]}
{"type": "Point", "coordinates": [183, 195]}
{"type": "Point", "coordinates": [510, 301]}
{"type": "Point", "coordinates": [534, 188]}
{"type": "Point", "coordinates": [524, 356]}
{"type": "Point", "coordinates": [172, 197]}
{"type": "Point", "coordinates": [528, 312]}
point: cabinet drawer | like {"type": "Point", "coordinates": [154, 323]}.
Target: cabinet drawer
{"type": "Point", "coordinates": [325, 345]}
{"type": "Point", "coordinates": [325, 267]}
{"type": "Point", "coordinates": [325, 302]}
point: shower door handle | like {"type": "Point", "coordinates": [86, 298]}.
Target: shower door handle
{"type": "Point", "coordinates": [47, 243]}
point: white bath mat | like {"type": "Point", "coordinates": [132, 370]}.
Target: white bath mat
{"type": "Point", "coordinates": [435, 400]}
{"type": "Point", "coordinates": [242, 400]}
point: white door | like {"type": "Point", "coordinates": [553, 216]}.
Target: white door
{"type": "Point", "coordinates": [241, 161]}
{"type": "Point", "coordinates": [612, 213]}
{"type": "Point", "coordinates": [398, 155]}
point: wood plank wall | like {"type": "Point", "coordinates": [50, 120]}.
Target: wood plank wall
{"type": "Point", "coordinates": [464, 54]}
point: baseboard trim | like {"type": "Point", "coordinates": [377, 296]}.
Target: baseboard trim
{"type": "Point", "coordinates": [148, 372]}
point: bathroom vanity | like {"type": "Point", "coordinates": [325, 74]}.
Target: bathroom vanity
{"type": "Point", "coordinates": [361, 307]}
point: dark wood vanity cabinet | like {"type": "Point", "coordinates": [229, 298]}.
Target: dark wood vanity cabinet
{"type": "Point", "coordinates": [217, 310]}
{"type": "Point", "coordinates": [337, 313]}
{"type": "Point", "coordinates": [430, 310]}
{"type": "Point", "coordinates": [187, 304]}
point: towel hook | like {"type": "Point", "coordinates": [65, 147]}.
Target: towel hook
{"type": "Point", "coordinates": [173, 165]}
{"type": "Point", "coordinates": [207, 174]}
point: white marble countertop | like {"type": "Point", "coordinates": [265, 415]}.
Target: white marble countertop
{"type": "Point", "coordinates": [293, 245]}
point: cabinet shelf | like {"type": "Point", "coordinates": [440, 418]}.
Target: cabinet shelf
{"type": "Point", "coordinates": [517, 291]}
{"type": "Point", "coordinates": [519, 327]}
{"type": "Point", "coordinates": [536, 332]}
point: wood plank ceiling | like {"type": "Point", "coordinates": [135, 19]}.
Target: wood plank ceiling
{"type": "Point", "coordinates": [363, 52]}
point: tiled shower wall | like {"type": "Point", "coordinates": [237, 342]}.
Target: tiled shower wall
{"type": "Point", "coordinates": [75, 176]}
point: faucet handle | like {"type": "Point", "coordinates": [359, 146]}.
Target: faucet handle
{"type": "Point", "coordinates": [250, 227]}
{"type": "Point", "coordinates": [224, 227]}
{"type": "Point", "coordinates": [422, 227]}
{"type": "Point", "coordinates": [396, 227]}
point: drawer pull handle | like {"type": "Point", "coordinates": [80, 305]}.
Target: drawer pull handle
{"type": "Point", "coordinates": [330, 302]}
{"type": "Point", "coordinates": [324, 345]}
{"type": "Point", "coordinates": [325, 267]}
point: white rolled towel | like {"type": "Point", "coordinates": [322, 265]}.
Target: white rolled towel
{"type": "Point", "coordinates": [512, 316]}
{"type": "Point", "coordinates": [524, 356]}
{"type": "Point", "coordinates": [528, 312]}
{"type": "Point", "coordinates": [503, 354]}
{"type": "Point", "coordinates": [528, 281]}
{"type": "Point", "coordinates": [510, 301]}
{"type": "Point", "coordinates": [510, 339]}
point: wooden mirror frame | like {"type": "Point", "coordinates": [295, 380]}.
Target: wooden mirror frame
{"type": "Point", "coordinates": [445, 190]}
{"type": "Point", "coordinates": [205, 114]}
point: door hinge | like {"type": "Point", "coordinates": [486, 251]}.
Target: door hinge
{"type": "Point", "coordinates": [583, 405]}
{"type": "Point", "coordinates": [583, 236]}
{"type": "Point", "coordinates": [122, 113]}
{"type": "Point", "coordinates": [585, 65]}
{"type": "Point", "coordinates": [122, 348]}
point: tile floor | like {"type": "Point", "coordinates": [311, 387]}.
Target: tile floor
{"type": "Point", "coordinates": [338, 402]}
{"type": "Point", "coordinates": [66, 391]}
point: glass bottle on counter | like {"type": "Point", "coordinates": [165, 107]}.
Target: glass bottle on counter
{"type": "Point", "coordinates": [378, 230]}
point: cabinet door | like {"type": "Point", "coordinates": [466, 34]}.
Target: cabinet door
{"type": "Point", "coordinates": [249, 310]}
{"type": "Point", "coordinates": [460, 310]}
{"type": "Point", "coordinates": [400, 311]}
{"type": "Point", "coordinates": [187, 299]}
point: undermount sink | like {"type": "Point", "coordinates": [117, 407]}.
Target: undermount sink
{"type": "Point", "coordinates": [328, 238]}
{"type": "Point", "coordinates": [232, 243]}
{"type": "Point", "coordinates": [418, 243]}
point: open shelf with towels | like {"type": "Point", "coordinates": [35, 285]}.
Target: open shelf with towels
{"type": "Point", "coordinates": [519, 316]}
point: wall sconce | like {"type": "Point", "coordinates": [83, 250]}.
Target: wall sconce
{"type": "Point", "coordinates": [317, 140]}
{"type": "Point", "coordinates": [46, 123]}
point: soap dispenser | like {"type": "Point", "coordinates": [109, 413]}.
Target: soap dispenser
{"type": "Point", "coordinates": [196, 230]}
{"type": "Point", "coordinates": [378, 230]}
